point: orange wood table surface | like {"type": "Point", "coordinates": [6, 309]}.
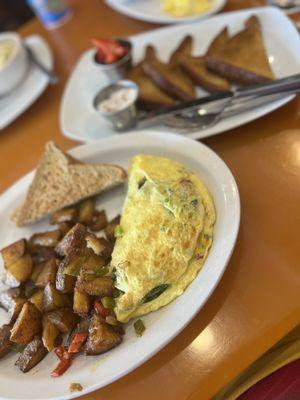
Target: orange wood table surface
{"type": "Point", "coordinates": [257, 301]}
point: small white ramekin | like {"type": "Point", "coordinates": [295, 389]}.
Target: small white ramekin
{"type": "Point", "coordinates": [16, 67]}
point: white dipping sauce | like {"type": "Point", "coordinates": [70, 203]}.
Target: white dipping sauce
{"type": "Point", "coordinates": [118, 100]}
{"type": "Point", "coordinates": [7, 49]}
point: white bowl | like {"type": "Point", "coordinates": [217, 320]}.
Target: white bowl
{"type": "Point", "coordinates": [16, 66]}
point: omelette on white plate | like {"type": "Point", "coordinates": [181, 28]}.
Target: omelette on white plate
{"type": "Point", "coordinates": [164, 236]}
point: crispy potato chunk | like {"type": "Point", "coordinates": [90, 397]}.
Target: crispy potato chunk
{"type": "Point", "coordinates": [38, 299]}
{"type": "Point", "coordinates": [5, 343]}
{"type": "Point", "coordinates": [47, 274]}
{"type": "Point", "coordinates": [72, 241]}
{"type": "Point", "coordinates": [86, 211]}
{"type": "Point", "coordinates": [102, 286]}
{"type": "Point", "coordinates": [13, 252]}
{"type": "Point", "coordinates": [66, 215]}
{"type": "Point", "coordinates": [18, 272]}
{"type": "Point", "coordinates": [110, 228]}
{"type": "Point", "coordinates": [64, 319]}
{"type": "Point", "coordinates": [27, 324]}
{"type": "Point", "coordinates": [64, 283]}
{"type": "Point", "coordinates": [99, 221]}
{"type": "Point", "coordinates": [45, 239]}
{"type": "Point", "coordinates": [101, 337]}
{"type": "Point", "coordinates": [12, 300]}
{"type": "Point", "coordinates": [64, 227]}
{"type": "Point", "coordinates": [81, 302]}
{"type": "Point", "coordinates": [53, 299]}
{"type": "Point", "coordinates": [50, 333]}
{"type": "Point", "coordinates": [41, 254]}
{"type": "Point", "coordinates": [33, 353]}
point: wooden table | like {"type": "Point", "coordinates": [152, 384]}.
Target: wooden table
{"type": "Point", "coordinates": [257, 301]}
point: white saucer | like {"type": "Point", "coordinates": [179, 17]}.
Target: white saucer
{"type": "Point", "coordinates": [35, 82]}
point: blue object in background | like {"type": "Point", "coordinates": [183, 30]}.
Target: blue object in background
{"type": "Point", "coordinates": [52, 13]}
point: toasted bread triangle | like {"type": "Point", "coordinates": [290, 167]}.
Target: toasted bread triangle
{"type": "Point", "coordinates": [61, 180]}
{"type": "Point", "coordinates": [150, 96]}
{"type": "Point", "coordinates": [195, 68]}
{"type": "Point", "coordinates": [168, 77]}
{"type": "Point", "coordinates": [242, 58]}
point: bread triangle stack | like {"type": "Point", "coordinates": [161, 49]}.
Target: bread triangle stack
{"type": "Point", "coordinates": [61, 180]}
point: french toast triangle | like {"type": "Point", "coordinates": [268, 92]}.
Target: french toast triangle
{"type": "Point", "coordinates": [61, 180]}
{"type": "Point", "coordinates": [196, 69]}
{"type": "Point", "coordinates": [150, 97]}
{"type": "Point", "coordinates": [168, 76]}
{"type": "Point", "coordinates": [242, 58]}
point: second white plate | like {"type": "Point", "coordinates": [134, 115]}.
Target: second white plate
{"type": "Point", "coordinates": [151, 11]}
{"type": "Point", "coordinates": [161, 326]}
{"type": "Point", "coordinates": [79, 120]}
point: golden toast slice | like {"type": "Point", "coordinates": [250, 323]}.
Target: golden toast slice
{"type": "Point", "coordinates": [168, 76]}
{"type": "Point", "coordinates": [242, 58]}
{"type": "Point", "coordinates": [196, 69]}
{"type": "Point", "coordinates": [61, 180]}
{"type": "Point", "coordinates": [150, 97]}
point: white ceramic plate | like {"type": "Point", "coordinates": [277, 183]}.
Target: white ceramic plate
{"type": "Point", "coordinates": [151, 11]}
{"type": "Point", "coordinates": [79, 121]}
{"type": "Point", "coordinates": [33, 85]}
{"type": "Point", "coordinates": [162, 325]}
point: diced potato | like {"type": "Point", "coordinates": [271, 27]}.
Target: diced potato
{"type": "Point", "coordinates": [5, 343]}
{"type": "Point", "coordinates": [13, 252]}
{"type": "Point", "coordinates": [29, 288]}
{"type": "Point", "coordinates": [86, 211]}
{"type": "Point", "coordinates": [101, 337]}
{"type": "Point", "coordinates": [47, 274]}
{"type": "Point", "coordinates": [8, 296]}
{"type": "Point", "coordinates": [74, 264]}
{"type": "Point", "coordinates": [99, 221]}
{"type": "Point", "coordinates": [102, 286]}
{"type": "Point", "coordinates": [45, 239]}
{"type": "Point", "coordinates": [33, 353]}
{"type": "Point", "coordinates": [72, 241]}
{"type": "Point", "coordinates": [36, 270]}
{"type": "Point", "coordinates": [27, 325]}
{"type": "Point", "coordinates": [110, 228]}
{"type": "Point", "coordinates": [38, 299]}
{"type": "Point", "coordinates": [53, 299]}
{"type": "Point", "coordinates": [64, 227]}
{"type": "Point", "coordinates": [100, 246]}
{"type": "Point", "coordinates": [12, 300]}
{"type": "Point", "coordinates": [41, 254]}
{"type": "Point", "coordinates": [19, 271]}
{"type": "Point", "coordinates": [64, 283]}
{"type": "Point", "coordinates": [64, 319]}
{"type": "Point", "coordinates": [15, 308]}
{"type": "Point", "coordinates": [93, 263]}
{"type": "Point", "coordinates": [50, 333]}
{"type": "Point", "coordinates": [81, 302]}
{"type": "Point", "coordinates": [66, 215]}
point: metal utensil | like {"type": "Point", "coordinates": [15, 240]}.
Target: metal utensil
{"type": "Point", "coordinates": [207, 111]}
{"type": "Point", "coordinates": [53, 78]}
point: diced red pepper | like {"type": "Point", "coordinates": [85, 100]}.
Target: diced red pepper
{"type": "Point", "coordinates": [100, 309]}
{"type": "Point", "coordinates": [62, 353]}
{"type": "Point", "coordinates": [61, 368]}
{"type": "Point", "coordinates": [77, 343]}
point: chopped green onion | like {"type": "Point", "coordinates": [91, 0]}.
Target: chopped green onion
{"type": "Point", "coordinates": [139, 327]}
{"type": "Point", "coordinates": [119, 231]}
{"type": "Point", "coordinates": [90, 275]}
{"type": "Point", "coordinates": [108, 302]}
{"type": "Point", "coordinates": [155, 292]}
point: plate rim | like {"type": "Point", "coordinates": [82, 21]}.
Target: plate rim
{"type": "Point", "coordinates": [198, 134]}
{"type": "Point", "coordinates": [80, 151]}
{"type": "Point", "coordinates": [36, 91]}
